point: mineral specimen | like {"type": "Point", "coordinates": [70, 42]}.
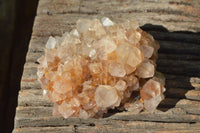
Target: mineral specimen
{"type": "Point", "coordinates": [101, 66]}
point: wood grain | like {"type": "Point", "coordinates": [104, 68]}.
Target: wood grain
{"type": "Point", "coordinates": [174, 23]}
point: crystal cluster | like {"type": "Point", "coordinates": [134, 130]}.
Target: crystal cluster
{"type": "Point", "coordinates": [101, 65]}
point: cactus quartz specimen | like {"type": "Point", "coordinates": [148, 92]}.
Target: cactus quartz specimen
{"type": "Point", "coordinates": [101, 65]}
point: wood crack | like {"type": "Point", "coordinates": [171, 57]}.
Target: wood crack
{"type": "Point", "coordinates": [177, 31]}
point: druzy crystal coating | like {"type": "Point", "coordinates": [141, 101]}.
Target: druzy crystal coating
{"type": "Point", "coordinates": [101, 65]}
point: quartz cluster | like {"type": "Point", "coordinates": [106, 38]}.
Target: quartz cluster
{"type": "Point", "coordinates": [101, 65]}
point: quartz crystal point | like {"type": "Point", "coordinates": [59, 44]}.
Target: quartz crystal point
{"type": "Point", "coordinates": [101, 65]}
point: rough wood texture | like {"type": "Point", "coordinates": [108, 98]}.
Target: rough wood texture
{"type": "Point", "coordinates": [174, 23]}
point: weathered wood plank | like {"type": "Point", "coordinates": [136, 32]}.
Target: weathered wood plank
{"type": "Point", "coordinates": [194, 95]}
{"type": "Point", "coordinates": [176, 36]}
{"type": "Point", "coordinates": [33, 97]}
{"type": "Point", "coordinates": [173, 115]}
{"type": "Point", "coordinates": [59, 23]}
{"type": "Point", "coordinates": [100, 129]}
{"type": "Point", "coordinates": [148, 128]}
{"type": "Point", "coordinates": [179, 67]}
{"type": "Point", "coordinates": [126, 130]}
{"type": "Point", "coordinates": [179, 112]}
{"type": "Point", "coordinates": [195, 82]}
{"type": "Point", "coordinates": [66, 129]}
{"type": "Point", "coordinates": [117, 126]}
{"type": "Point", "coordinates": [34, 83]}
{"type": "Point", "coordinates": [33, 111]}
{"type": "Point", "coordinates": [135, 6]}
{"type": "Point", "coordinates": [181, 93]}
{"type": "Point", "coordinates": [116, 6]}
{"type": "Point", "coordinates": [181, 82]}
{"type": "Point", "coordinates": [177, 81]}
{"type": "Point", "coordinates": [179, 48]}
{"type": "Point", "coordinates": [41, 111]}
{"type": "Point", "coordinates": [174, 56]}
{"type": "Point", "coordinates": [58, 6]}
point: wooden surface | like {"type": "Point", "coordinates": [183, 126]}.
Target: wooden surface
{"type": "Point", "coordinates": [16, 22]}
{"type": "Point", "coordinates": [174, 23]}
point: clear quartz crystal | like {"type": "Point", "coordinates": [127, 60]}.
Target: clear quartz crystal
{"type": "Point", "coordinates": [106, 22]}
{"type": "Point", "coordinates": [44, 92]}
{"type": "Point", "coordinates": [146, 69]}
{"type": "Point", "coordinates": [134, 107]}
{"type": "Point", "coordinates": [105, 96]}
{"type": "Point", "coordinates": [101, 65]}
{"type": "Point", "coordinates": [121, 85]}
{"type": "Point", "coordinates": [117, 70]}
{"type": "Point", "coordinates": [51, 43]}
